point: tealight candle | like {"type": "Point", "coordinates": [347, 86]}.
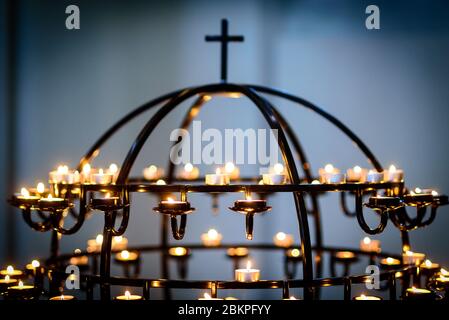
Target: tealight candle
{"type": "Point", "coordinates": [368, 298]}
{"type": "Point", "coordinates": [152, 172]}
{"type": "Point", "coordinates": [331, 175]}
{"type": "Point", "coordinates": [114, 170]}
{"type": "Point", "coordinates": [208, 297]}
{"type": "Point", "coordinates": [85, 173]}
{"type": "Point", "coordinates": [218, 178]}
{"type": "Point", "coordinates": [429, 266]}
{"type": "Point", "coordinates": [239, 252]}
{"type": "Point", "coordinates": [248, 274]}
{"type": "Point", "coordinates": [276, 176]}
{"type": "Point", "coordinates": [178, 252]}
{"type": "Point", "coordinates": [11, 272]}
{"type": "Point", "coordinates": [26, 198]}
{"type": "Point", "coordinates": [7, 282]}
{"type": "Point", "coordinates": [374, 176]}
{"type": "Point", "coordinates": [294, 254]}
{"type": "Point", "coordinates": [175, 205]}
{"type": "Point", "coordinates": [443, 272]}
{"type": "Point", "coordinates": [94, 245]}
{"type": "Point", "coordinates": [282, 239]}
{"type": "Point", "coordinates": [102, 177]}
{"type": "Point", "coordinates": [62, 297]}
{"type": "Point", "coordinates": [418, 294]}
{"type": "Point", "coordinates": [231, 169]}
{"type": "Point", "coordinates": [211, 238]}
{"type": "Point", "coordinates": [356, 174]}
{"type": "Point", "coordinates": [369, 245]}
{"type": "Point", "coordinates": [345, 255]}
{"type": "Point", "coordinates": [127, 256]}
{"type": "Point", "coordinates": [31, 267]}
{"type": "Point", "coordinates": [128, 296]}
{"type": "Point", "coordinates": [79, 261]}
{"type": "Point", "coordinates": [414, 258]}
{"type": "Point", "coordinates": [190, 172]}
{"type": "Point", "coordinates": [442, 281]}
{"type": "Point", "coordinates": [64, 175]}
{"type": "Point", "coordinates": [52, 202]}
{"type": "Point", "coordinates": [390, 263]}
{"type": "Point", "coordinates": [393, 174]}
{"type": "Point", "coordinates": [119, 243]}
{"type": "Point", "coordinates": [21, 291]}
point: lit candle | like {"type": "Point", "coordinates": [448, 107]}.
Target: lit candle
{"type": "Point", "coordinates": [79, 260]}
{"type": "Point", "coordinates": [442, 281]}
{"type": "Point", "coordinates": [294, 254]}
{"type": "Point", "coordinates": [282, 239]}
{"type": "Point", "coordinates": [102, 177]}
{"type": "Point", "coordinates": [248, 274]}
{"type": "Point", "coordinates": [119, 243]}
{"type": "Point", "coordinates": [374, 176]}
{"type": "Point", "coordinates": [152, 172]}
{"type": "Point", "coordinates": [390, 263]}
{"type": "Point", "coordinates": [218, 178]}
{"type": "Point", "coordinates": [25, 198]}
{"type": "Point", "coordinates": [368, 298]}
{"type": "Point", "coordinates": [418, 294]}
{"type": "Point", "coordinates": [232, 170]}
{"type": "Point", "coordinates": [443, 272]}
{"type": "Point", "coordinates": [208, 297]}
{"type": "Point", "coordinates": [128, 296]}
{"type": "Point", "coordinates": [127, 256]}
{"type": "Point", "coordinates": [429, 266]}
{"type": "Point", "coordinates": [7, 282]}
{"type": "Point", "coordinates": [345, 255]}
{"type": "Point", "coordinates": [330, 174]}
{"type": "Point", "coordinates": [114, 170]}
{"type": "Point", "coordinates": [414, 258]}
{"type": "Point", "coordinates": [11, 272]}
{"type": "Point", "coordinates": [239, 252]}
{"type": "Point", "coordinates": [368, 245]}
{"type": "Point", "coordinates": [276, 176]}
{"type": "Point", "coordinates": [178, 252]}
{"type": "Point", "coordinates": [33, 265]}
{"type": "Point", "coordinates": [211, 238]}
{"type": "Point", "coordinates": [94, 245]}
{"type": "Point", "coordinates": [52, 202]}
{"type": "Point", "coordinates": [64, 175]}
{"type": "Point", "coordinates": [21, 291]}
{"type": "Point", "coordinates": [190, 172]}
{"type": "Point", "coordinates": [175, 205]}
{"type": "Point", "coordinates": [393, 174]}
{"type": "Point", "coordinates": [63, 297]}
{"type": "Point", "coordinates": [357, 174]}
{"type": "Point", "coordinates": [85, 173]}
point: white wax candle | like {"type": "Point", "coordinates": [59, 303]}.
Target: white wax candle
{"type": "Point", "coordinates": [190, 172]}
{"type": "Point", "coordinates": [248, 274]}
{"type": "Point", "coordinates": [374, 176]}
{"type": "Point", "coordinates": [275, 176]}
{"type": "Point", "coordinates": [152, 172]}
{"type": "Point", "coordinates": [211, 239]}
{"type": "Point", "coordinates": [218, 178]}
{"type": "Point", "coordinates": [414, 258]}
{"type": "Point", "coordinates": [102, 177]}
{"type": "Point", "coordinates": [329, 174]}
{"type": "Point", "coordinates": [393, 174]}
{"type": "Point", "coordinates": [356, 174]}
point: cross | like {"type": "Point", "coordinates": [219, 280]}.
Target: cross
{"type": "Point", "coordinates": [224, 38]}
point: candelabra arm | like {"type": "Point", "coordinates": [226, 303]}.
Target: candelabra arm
{"type": "Point", "coordinates": [344, 206]}
{"type": "Point", "coordinates": [80, 217]}
{"type": "Point", "coordinates": [361, 219]}
{"type": "Point", "coordinates": [43, 226]}
{"type": "Point", "coordinates": [178, 232]}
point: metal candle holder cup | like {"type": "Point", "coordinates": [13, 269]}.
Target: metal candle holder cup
{"type": "Point", "coordinates": [249, 208]}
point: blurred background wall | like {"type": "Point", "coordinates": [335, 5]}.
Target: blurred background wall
{"type": "Point", "coordinates": [69, 86]}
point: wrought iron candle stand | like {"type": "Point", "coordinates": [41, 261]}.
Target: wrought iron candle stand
{"type": "Point", "coordinates": [388, 200]}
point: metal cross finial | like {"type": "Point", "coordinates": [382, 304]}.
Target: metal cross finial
{"type": "Point", "coordinates": [224, 38]}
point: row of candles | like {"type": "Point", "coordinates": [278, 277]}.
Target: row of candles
{"type": "Point", "coordinates": [223, 175]}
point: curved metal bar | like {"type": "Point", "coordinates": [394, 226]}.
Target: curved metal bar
{"type": "Point", "coordinates": [130, 116]}
{"type": "Point", "coordinates": [433, 214]}
{"type": "Point", "coordinates": [125, 216]}
{"type": "Point", "coordinates": [81, 216]}
{"type": "Point", "coordinates": [283, 145]}
{"type": "Point", "coordinates": [363, 147]}
{"type": "Point", "coordinates": [43, 226]}
{"type": "Point", "coordinates": [178, 232]}
{"type": "Point", "coordinates": [361, 219]}
{"type": "Point", "coordinates": [344, 206]}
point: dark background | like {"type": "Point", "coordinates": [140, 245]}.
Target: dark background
{"type": "Point", "coordinates": [60, 89]}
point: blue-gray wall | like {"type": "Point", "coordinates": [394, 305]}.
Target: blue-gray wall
{"type": "Point", "coordinates": [390, 86]}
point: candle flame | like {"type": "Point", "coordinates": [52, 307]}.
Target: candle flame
{"type": "Point", "coordinates": [7, 278]}
{"type": "Point", "coordinates": [62, 297]}
{"type": "Point", "coordinates": [329, 168]}
{"type": "Point", "coordinates": [217, 171]}
{"type": "Point", "coordinates": [392, 169]}
{"type": "Point", "coordinates": [40, 187]}
{"type": "Point", "coordinates": [99, 239]}
{"type": "Point", "coordinates": [357, 169]}
{"type": "Point", "coordinates": [229, 167]}
{"type": "Point", "coordinates": [10, 269]}
{"type": "Point", "coordinates": [366, 240]}
{"type": "Point", "coordinates": [170, 199]}
{"type": "Point", "coordinates": [418, 190]}
{"type": "Point", "coordinates": [35, 263]}
{"type": "Point", "coordinates": [281, 236]}
{"type": "Point", "coordinates": [212, 234]}
{"type": "Point", "coordinates": [188, 167]}
{"type": "Point", "coordinates": [152, 169]}
{"type": "Point", "coordinates": [20, 284]}
{"type": "Point", "coordinates": [86, 169]}
{"type": "Point", "coordinates": [100, 172]}
{"type": "Point", "coordinates": [207, 296]}
{"type": "Point", "coordinates": [444, 272]}
{"type": "Point", "coordinates": [362, 296]}
{"type": "Point", "coordinates": [278, 168]}
{"type": "Point", "coordinates": [127, 295]}
{"type": "Point", "coordinates": [409, 253]}
{"type": "Point", "coordinates": [118, 239]}
{"type": "Point", "coordinates": [125, 254]}
{"type": "Point", "coordinates": [50, 197]}
{"type": "Point", "coordinates": [428, 263]}
{"type": "Point", "coordinates": [113, 168]}
{"type": "Point", "coordinates": [63, 169]}
{"type": "Point", "coordinates": [390, 260]}
{"type": "Point", "coordinates": [160, 182]}
{"type": "Point", "coordinates": [434, 193]}
{"type": "Point", "coordinates": [248, 265]}
{"type": "Point", "coordinates": [24, 192]}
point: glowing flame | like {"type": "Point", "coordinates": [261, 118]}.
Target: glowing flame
{"type": "Point", "coordinates": [428, 263]}
{"type": "Point", "coordinates": [229, 167]}
{"type": "Point", "coordinates": [152, 169]}
{"type": "Point", "coordinates": [212, 234]}
{"type": "Point", "coordinates": [7, 278]}
{"type": "Point", "coordinates": [295, 253]}
{"type": "Point", "coordinates": [99, 239]}
{"type": "Point", "coordinates": [180, 251]}
{"type": "Point", "coordinates": [170, 199]}
{"type": "Point", "coordinates": [35, 263]}
{"type": "Point", "coordinates": [127, 295]}
{"type": "Point", "coordinates": [160, 182]}
{"type": "Point", "coordinates": [62, 297]}
{"type": "Point", "coordinates": [390, 260]}
{"type": "Point", "coordinates": [217, 171]}
{"type": "Point", "coordinates": [86, 169]}
{"type": "Point", "coordinates": [63, 169]}
{"type": "Point", "coordinates": [357, 169]}
{"type": "Point", "coordinates": [10, 269]}
{"type": "Point", "coordinates": [40, 187]}
{"type": "Point", "coordinates": [281, 236]}
{"type": "Point", "coordinates": [100, 172]}
{"type": "Point", "coordinates": [329, 168]}
{"type": "Point", "coordinates": [366, 240]}
{"type": "Point", "coordinates": [118, 239]}
{"type": "Point", "coordinates": [20, 284]}
{"type": "Point", "coordinates": [392, 169]}
{"type": "Point", "coordinates": [188, 167]}
{"type": "Point", "coordinates": [248, 265]}
{"type": "Point", "coordinates": [207, 296]}
{"type": "Point", "coordinates": [434, 193]}
{"type": "Point", "coordinates": [24, 192]}
{"type": "Point", "coordinates": [278, 168]}
{"type": "Point", "coordinates": [418, 190]}
{"type": "Point", "coordinates": [125, 254]}
{"type": "Point", "coordinates": [113, 168]}
{"type": "Point", "coordinates": [444, 272]}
